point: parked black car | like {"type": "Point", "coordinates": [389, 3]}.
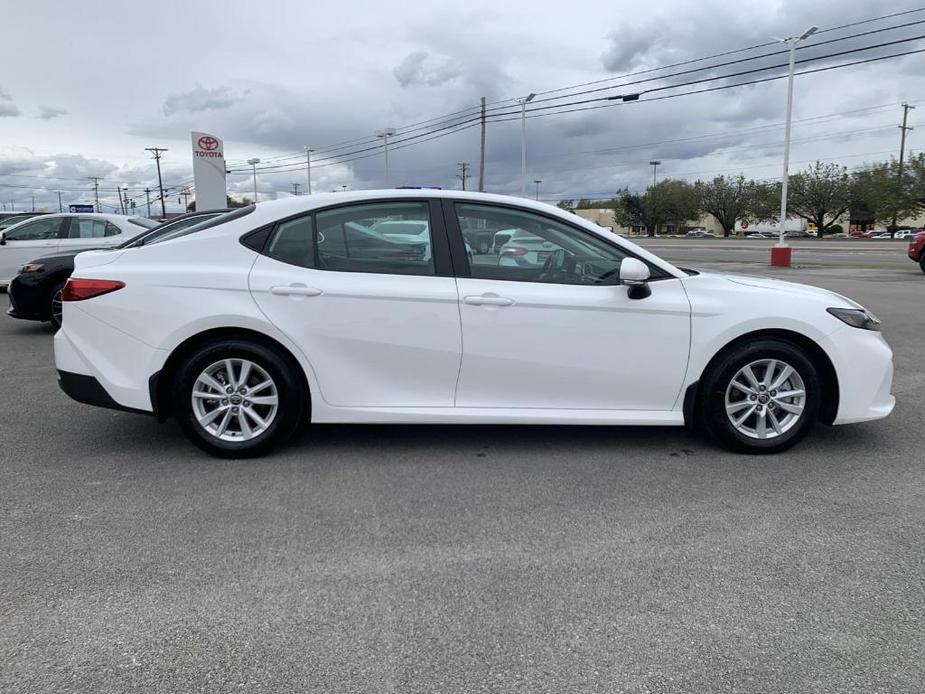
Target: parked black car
{"type": "Point", "coordinates": [35, 293]}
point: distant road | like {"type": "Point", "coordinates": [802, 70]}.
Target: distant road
{"type": "Point", "coordinates": [846, 253]}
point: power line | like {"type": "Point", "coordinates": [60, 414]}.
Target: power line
{"type": "Point", "coordinates": [713, 89]}
{"type": "Point", "coordinates": [726, 53]}
{"type": "Point", "coordinates": [739, 61]}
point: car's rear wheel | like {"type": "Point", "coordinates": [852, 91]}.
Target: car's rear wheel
{"type": "Point", "coordinates": [238, 399]}
{"type": "Point", "coordinates": [761, 397]}
{"type": "Point", "coordinates": [54, 305]}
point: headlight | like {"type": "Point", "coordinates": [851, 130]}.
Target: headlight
{"type": "Point", "coordinates": [856, 317]}
{"type": "Point", "coordinates": [31, 267]}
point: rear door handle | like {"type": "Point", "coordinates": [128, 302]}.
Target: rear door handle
{"type": "Point", "coordinates": [294, 290]}
{"type": "Point", "coordinates": [488, 300]}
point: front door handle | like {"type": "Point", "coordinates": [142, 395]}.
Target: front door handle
{"type": "Point", "coordinates": [294, 290]}
{"type": "Point", "coordinates": [488, 300]}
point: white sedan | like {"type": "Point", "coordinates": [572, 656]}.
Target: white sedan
{"type": "Point", "coordinates": [278, 314]}
{"type": "Point", "coordinates": [55, 233]}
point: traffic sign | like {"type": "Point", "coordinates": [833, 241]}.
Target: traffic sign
{"type": "Point", "coordinates": [80, 208]}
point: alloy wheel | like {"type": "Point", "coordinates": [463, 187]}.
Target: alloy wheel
{"type": "Point", "coordinates": [56, 310]}
{"type": "Point", "coordinates": [765, 399]}
{"type": "Point", "coordinates": [235, 400]}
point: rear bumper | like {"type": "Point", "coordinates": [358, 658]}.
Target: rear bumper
{"type": "Point", "coordinates": [88, 390]}
{"type": "Point", "coordinates": [103, 365]}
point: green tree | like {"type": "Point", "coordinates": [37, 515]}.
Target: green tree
{"type": "Point", "coordinates": [678, 200]}
{"type": "Point", "coordinates": [730, 199]}
{"type": "Point", "coordinates": [915, 178]}
{"type": "Point", "coordinates": [820, 194]}
{"type": "Point", "coordinates": [667, 201]}
{"type": "Point", "coordinates": [878, 192]}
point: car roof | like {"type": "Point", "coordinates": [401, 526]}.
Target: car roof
{"type": "Point", "coordinates": [95, 215]}
{"type": "Point", "coordinates": [271, 211]}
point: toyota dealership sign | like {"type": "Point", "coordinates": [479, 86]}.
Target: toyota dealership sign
{"type": "Point", "coordinates": [208, 171]}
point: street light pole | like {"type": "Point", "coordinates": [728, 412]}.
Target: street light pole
{"type": "Point", "coordinates": [654, 164]}
{"type": "Point", "coordinates": [780, 254]}
{"type": "Point", "coordinates": [537, 181]}
{"type": "Point", "coordinates": [253, 162]}
{"type": "Point", "coordinates": [523, 101]}
{"type": "Point", "coordinates": [308, 165]}
{"type": "Point", "coordinates": [385, 134]}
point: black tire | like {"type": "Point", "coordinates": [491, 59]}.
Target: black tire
{"type": "Point", "coordinates": [722, 371]}
{"type": "Point", "coordinates": [293, 399]}
{"type": "Point", "coordinates": [53, 295]}
{"type": "Point", "coordinates": [483, 247]}
{"type": "Point", "coordinates": [922, 261]}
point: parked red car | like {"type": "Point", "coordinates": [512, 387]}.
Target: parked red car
{"type": "Point", "coordinates": [917, 249]}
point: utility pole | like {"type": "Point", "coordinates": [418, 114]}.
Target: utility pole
{"type": "Point", "coordinates": [463, 174]}
{"type": "Point", "coordinates": [96, 190]}
{"type": "Point", "coordinates": [482, 152]}
{"type": "Point", "coordinates": [654, 164]}
{"type": "Point", "coordinates": [60, 206]}
{"type": "Point", "coordinates": [902, 154]}
{"type": "Point", "coordinates": [157, 151]}
{"type": "Point", "coordinates": [295, 188]}
{"type": "Point", "coordinates": [537, 181]}
{"type": "Point", "coordinates": [308, 167]}
{"type": "Point", "coordinates": [148, 200]}
{"type": "Point", "coordinates": [33, 202]}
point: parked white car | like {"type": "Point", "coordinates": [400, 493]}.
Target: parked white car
{"type": "Point", "coordinates": [55, 233]}
{"type": "Point", "coordinates": [271, 317]}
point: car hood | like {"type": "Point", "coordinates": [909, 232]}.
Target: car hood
{"type": "Point", "coordinates": [792, 289]}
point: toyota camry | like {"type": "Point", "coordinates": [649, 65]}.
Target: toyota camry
{"type": "Point", "coordinates": [299, 310]}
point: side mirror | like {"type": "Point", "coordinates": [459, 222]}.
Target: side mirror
{"type": "Point", "coordinates": [635, 275]}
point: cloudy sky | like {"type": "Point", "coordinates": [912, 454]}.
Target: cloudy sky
{"type": "Point", "coordinates": [87, 86]}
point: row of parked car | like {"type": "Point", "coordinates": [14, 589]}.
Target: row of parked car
{"type": "Point", "coordinates": [37, 253]}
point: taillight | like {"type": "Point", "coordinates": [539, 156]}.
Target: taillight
{"type": "Point", "coordinates": [514, 251]}
{"type": "Point", "coordinates": [78, 289]}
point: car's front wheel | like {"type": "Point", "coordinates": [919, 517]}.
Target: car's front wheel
{"type": "Point", "coordinates": [761, 397]}
{"type": "Point", "coordinates": [238, 399]}
{"type": "Point", "coordinates": [922, 261]}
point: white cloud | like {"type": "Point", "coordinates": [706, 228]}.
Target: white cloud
{"type": "Point", "coordinates": [419, 67]}
{"type": "Point", "coordinates": [202, 99]}
{"type": "Point", "coordinates": [49, 112]}
{"type": "Point", "coordinates": [7, 107]}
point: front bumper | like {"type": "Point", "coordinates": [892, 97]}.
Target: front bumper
{"type": "Point", "coordinates": [21, 306]}
{"type": "Point", "coordinates": [863, 362]}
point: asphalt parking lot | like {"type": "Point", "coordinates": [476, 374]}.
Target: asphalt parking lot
{"type": "Point", "coordinates": [452, 559]}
